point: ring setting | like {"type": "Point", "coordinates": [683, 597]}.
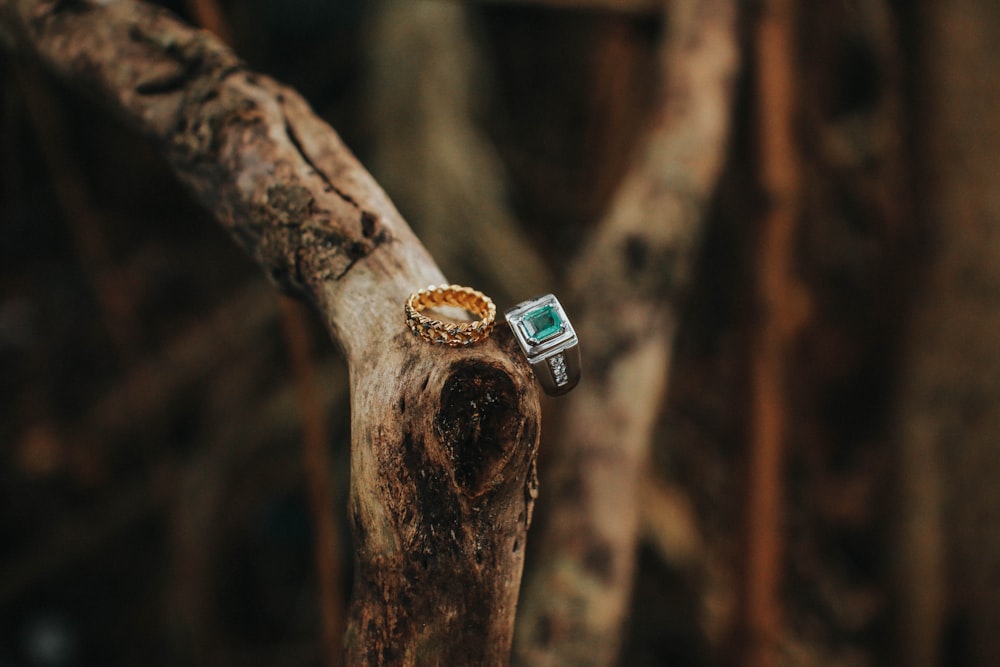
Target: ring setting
{"type": "Point", "coordinates": [452, 334]}
{"type": "Point", "coordinates": [548, 340]}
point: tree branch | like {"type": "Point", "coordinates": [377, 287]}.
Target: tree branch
{"type": "Point", "coordinates": [627, 282]}
{"type": "Point", "coordinates": [625, 289]}
{"type": "Point", "coordinates": [784, 308]}
{"type": "Point", "coordinates": [443, 440]}
{"type": "Point", "coordinates": [317, 467]}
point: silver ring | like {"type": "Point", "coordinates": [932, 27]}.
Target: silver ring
{"type": "Point", "coordinates": [547, 338]}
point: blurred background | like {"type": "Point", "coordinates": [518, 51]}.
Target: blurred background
{"type": "Point", "coordinates": [170, 427]}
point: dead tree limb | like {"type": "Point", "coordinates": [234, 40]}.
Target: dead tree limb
{"type": "Point", "coordinates": [443, 440]}
{"type": "Point", "coordinates": [783, 306]}
{"type": "Point", "coordinates": [626, 286]}
{"type": "Point", "coordinates": [317, 469]}
{"type": "Point", "coordinates": [83, 218]}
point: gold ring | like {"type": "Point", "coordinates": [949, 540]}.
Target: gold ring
{"type": "Point", "coordinates": [452, 334]}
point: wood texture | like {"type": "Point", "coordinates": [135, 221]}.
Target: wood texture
{"type": "Point", "coordinates": [317, 471]}
{"type": "Point", "coordinates": [626, 286]}
{"type": "Point", "coordinates": [443, 441]}
{"type": "Point", "coordinates": [783, 306]}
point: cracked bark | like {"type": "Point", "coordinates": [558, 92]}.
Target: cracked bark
{"type": "Point", "coordinates": [443, 440]}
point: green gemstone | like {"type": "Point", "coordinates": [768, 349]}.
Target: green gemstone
{"type": "Point", "coordinates": [542, 323]}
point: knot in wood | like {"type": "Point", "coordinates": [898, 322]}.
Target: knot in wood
{"type": "Point", "coordinates": [478, 422]}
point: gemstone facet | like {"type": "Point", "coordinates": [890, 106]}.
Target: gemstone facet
{"type": "Point", "coordinates": [542, 323]}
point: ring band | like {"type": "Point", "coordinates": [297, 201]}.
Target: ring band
{"type": "Point", "coordinates": [549, 342]}
{"type": "Point", "coordinates": [452, 334]}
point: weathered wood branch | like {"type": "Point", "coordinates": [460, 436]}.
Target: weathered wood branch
{"type": "Point", "coordinates": [783, 308]}
{"type": "Point", "coordinates": [443, 440]}
{"type": "Point", "coordinates": [317, 468]}
{"type": "Point", "coordinates": [626, 286]}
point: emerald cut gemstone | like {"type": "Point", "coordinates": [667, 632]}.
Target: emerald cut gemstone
{"type": "Point", "coordinates": [542, 323]}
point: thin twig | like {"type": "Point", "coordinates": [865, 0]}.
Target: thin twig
{"type": "Point", "coordinates": [317, 467]}
{"type": "Point", "coordinates": [783, 309]}
{"type": "Point", "coordinates": [82, 218]}
{"type": "Point", "coordinates": [235, 325]}
{"type": "Point", "coordinates": [84, 532]}
{"type": "Point", "coordinates": [209, 15]}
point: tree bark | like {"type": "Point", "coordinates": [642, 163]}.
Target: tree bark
{"type": "Point", "coordinates": [783, 305]}
{"type": "Point", "coordinates": [443, 440]}
{"type": "Point", "coordinates": [626, 286]}
{"type": "Point", "coordinates": [624, 289]}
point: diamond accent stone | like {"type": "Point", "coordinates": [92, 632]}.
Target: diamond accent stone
{"type": "Point", "coordinates": [559, 371]}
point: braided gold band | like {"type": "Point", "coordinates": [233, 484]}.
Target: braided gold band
{"type": "Point", "coordinates": [452, 334]}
